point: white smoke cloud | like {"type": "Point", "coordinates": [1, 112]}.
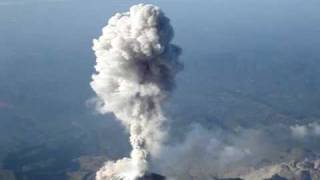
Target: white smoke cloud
{"type": "Point", "coordinates": [202, 155]}
{"type": "Point", "coordinates": [304, 131]}
{"type": "Point", "coordinates": [299, 131]}
{"type": "Point", "coordinates": [206, 153]}
{"type": "Point", "coordinates": [316, 129]}
{"type": "Point", "coordinates": [136, 66]}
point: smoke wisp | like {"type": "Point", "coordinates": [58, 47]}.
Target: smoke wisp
{"type": "Point", "coordinates": [135, 67]}
{"type": "Point", "coordinates": [206, 153]}
{"type": "Point", "coordinates": [303, 131]}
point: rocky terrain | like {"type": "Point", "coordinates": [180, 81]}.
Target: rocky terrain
{"type": "Point", "coordinates": [84, 168]}
{"type": "Point", "coordinates": [294, 170]}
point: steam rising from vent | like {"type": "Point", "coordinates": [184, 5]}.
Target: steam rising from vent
{"type": "Point", "coordinates": [135, 71]}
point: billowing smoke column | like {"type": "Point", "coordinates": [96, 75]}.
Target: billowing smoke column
{"type": "Point", "coordinates": [136, 66]}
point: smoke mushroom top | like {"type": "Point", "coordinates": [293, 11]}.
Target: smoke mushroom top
{"type": "Point", "coordinates": [135, 69]}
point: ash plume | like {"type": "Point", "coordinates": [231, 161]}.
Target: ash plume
{"type": "Point", "coordinates": [135, 67]}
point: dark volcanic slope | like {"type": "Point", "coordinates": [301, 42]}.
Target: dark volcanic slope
{"type": "Point", "coordinates": [152, 176]}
